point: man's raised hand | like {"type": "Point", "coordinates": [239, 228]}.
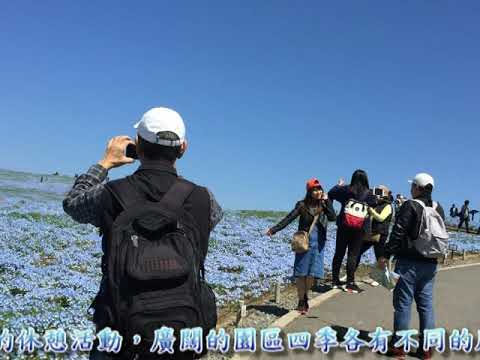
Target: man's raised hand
{"type": "Point", "coordinates": [115, 152]}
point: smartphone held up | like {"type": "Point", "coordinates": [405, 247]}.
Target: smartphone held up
{"type": "Point", "coordinates": [131, 151]}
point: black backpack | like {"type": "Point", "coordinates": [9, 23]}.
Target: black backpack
{"type": "Point", "coordinates": [156, 274]}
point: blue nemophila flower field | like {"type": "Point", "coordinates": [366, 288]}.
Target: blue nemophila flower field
{"type": "Point", "coordinates": [50, 265]}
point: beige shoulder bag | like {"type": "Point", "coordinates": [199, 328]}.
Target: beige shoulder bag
{"type": "Point", "coordinates": [300, 239]}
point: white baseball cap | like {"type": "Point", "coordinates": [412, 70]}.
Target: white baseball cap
{"type": "Point", "coordinates": [161, 119]}
{"type": "Point", "coordinates": [422, 180]}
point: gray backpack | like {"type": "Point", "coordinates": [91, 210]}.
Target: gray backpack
{"type": "Point", "coordinates": [432, 241]}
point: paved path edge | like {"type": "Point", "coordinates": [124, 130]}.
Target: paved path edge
{"type": "Point", "coordinates": [286, 319]}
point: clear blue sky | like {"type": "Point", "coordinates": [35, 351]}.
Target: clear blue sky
{"type": "Point", "coordinates": [272, 92]}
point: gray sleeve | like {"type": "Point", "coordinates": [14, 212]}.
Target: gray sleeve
{"type": "Point", "coordinates": [216, 212]}
{"type": "Point", "coordinates": [83, 201]}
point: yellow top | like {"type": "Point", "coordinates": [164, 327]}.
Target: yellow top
{"type": "Point", "coordinates": [386, 212]}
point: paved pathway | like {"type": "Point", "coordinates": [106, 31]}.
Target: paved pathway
{"type": "Point", "coordinates": [457, 299]}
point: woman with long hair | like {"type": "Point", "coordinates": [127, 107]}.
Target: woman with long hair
{"type": "Point", "coordinates": [310, 264]}
{"type": "Point", "coordinates": [348, 238]}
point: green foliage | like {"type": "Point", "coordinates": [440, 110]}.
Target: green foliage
{"type": "Point", "coordinates": [219, 289]}
{"type": "Point", "coordinates": [62, 301]}
{"type": "Point", "coordinates": [61, 221]}
{"type": "Point", "coordinates": [232, 269]}
{"type": "Point", "coordinates": [17, 291]}
{"type": "Point", "coordinates": [263, 214]}
{"type": "Point", "coordinates": [45, 259]}
{"type": "Point", "coordinates": [81, 268]}
{"type": "Point", "coordinates": [5, 317]}
{"type": "Point", "coordinates": [212, 243]}
{"type": "Point", "coordinates": [30, 194]}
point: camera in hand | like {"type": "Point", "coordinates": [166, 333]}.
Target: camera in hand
{"type": "Point", "coordinates": [131, 151]}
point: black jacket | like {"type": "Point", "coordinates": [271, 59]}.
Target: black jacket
{"type": "Point", "coordinates": [306, 218]}
{"type": "Point", "coordinates": [406, 229]}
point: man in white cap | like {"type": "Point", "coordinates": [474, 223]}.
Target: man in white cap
{"type": "Point", "coordinates": [417, 272]}
{"type": "Point", "coordinates": [160, 141]}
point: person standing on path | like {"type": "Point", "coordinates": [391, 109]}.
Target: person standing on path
{"type": "Point", "coordinates": [465, 216]}
{"type": "Point", "coordinates": [381, 217]}
{"type": "Point", "coordinates": [310, 264]}
{"type": "Point", "coordinates": [347, 238]}
{"type": "Point", "coordinates": [417, 272]}
{"type": "Point", "coordinates": [453, 211]}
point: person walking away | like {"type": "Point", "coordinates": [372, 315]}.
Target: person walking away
{"type": "Point", "coordinates": [465, 216]}
{"type": "Point", "coordinates": [453, 211]}
{"type": "Point", "coordinates": [355, 198]}
{"type": "Point", "coordinates": [169, 220]}
{"type": "Point", "coordinates": [310, 264]}
{"type": "Point", "coordinates": [411, 244]}
{"type": "Point", "coordinates": [473, 212]}
{"type": "Point", "coordinates": [381, 217]}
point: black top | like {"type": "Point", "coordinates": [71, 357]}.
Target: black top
{"type": "Point", "coordinates": [151, 182]}
{"type": "Point", "coordinates": [343, 194]}
{"type": "Point", "coordinates": [465, 212]}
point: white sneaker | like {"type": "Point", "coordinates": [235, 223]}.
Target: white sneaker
{"type": "Point", "coordinates": [371, 282]}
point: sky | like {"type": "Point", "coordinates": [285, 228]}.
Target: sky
{"type": "Point", "coordinates": [272, 92]}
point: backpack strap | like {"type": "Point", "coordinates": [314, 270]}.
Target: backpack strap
{"type": "Point", "coordinates": [419, 202]}
{"type": "Point", "coordinates": [124, 192]}
{"type": "Point", "coordinates": [173, 200]}
{"type": "Point", "coordinates": [434, 204]}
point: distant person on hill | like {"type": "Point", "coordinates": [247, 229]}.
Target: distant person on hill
{"type": "Point", "coordinates": [355, 199]}
{"type": "Point", "coordinates": [381, 216]}
{"type": "Point", "coordinates": [464, 216]}
{"type": "Point", "coordinates": [453, 211]}
{"type": "Point", "coordinates": [310, 264]}
{"type": "Point", "coordinates": [417, 272]}
{"type": "Point", "coordinates": [473, 212]}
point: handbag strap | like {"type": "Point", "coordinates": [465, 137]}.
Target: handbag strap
{"type": "Point", "coordinates": [315, 218]}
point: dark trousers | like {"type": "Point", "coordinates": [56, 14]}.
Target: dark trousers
{"type": "Point", "coordinates": [351, 242]}
{"type": "Point", "coordinates": [462, 221]}
{"type": "Point", "coordinates": [177, 355]}
{"type": "Point", "coordinates": [378, 247]}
